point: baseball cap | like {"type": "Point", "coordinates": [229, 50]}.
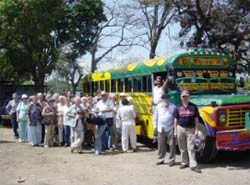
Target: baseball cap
{"type": "Point", "coordinates": [185, 93]}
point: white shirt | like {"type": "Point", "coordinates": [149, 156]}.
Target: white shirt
{"type": "Point", "coordinates": [126, 114]}
{"type": "Point", "coordinates": [65, 117]}
{"type": "Point", "coordinates": [102, 106]}
{"type": "Point", "coordinates": [164, 117]}
{"type": "Point", "coordinates": [157, 93]}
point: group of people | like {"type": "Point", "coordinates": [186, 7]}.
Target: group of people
{"type": "Point", "coordinates": [73, 121]}
{"type": "Point", "coordinates": [175, 124]}
{"type": "Point", "coordinates": [71, 117]}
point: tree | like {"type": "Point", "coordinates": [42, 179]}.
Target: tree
{"type": "Point", "coordinates": [82, 22]}
{"type": "Point", "coordinates": [69, 68]}
{"type": "Point", "coordinates": [224, 25]}
{"type": "Point", "coordinates": [116, 29]}
{"type": "Point", "coordinates": [151, 20]}
{"type": "Point", "coordinates": [8, 72]}
{"type": "Point", "coordinates": [25, 32]}
{"type": "Point", "coordinates": [31, 31]}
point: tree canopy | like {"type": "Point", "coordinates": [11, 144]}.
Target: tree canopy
{"type": "Point", "coordinates": [31, 31]}
{"type": "Point", "coordinates": [223, 25]}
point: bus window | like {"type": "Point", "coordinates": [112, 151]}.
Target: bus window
{"type": "Point", "coordinates": [101, 85]}
{"type": "Point", "coordinates": [107, 89]}
{"type": "Point", "coordinates": [137, 84]}
{"type": "Point", "coordinates": [149, 83]}
{"type": "Point", "coordinates": [120, 85]}
{"type": "Point", "coordinates": [113, 85]}
{"type": "Point", "coordinates": [144, 84]}
{"type": "Point", "coordinates": [94, 86]}
{"type": "Point", "coordinates": [128, 85]}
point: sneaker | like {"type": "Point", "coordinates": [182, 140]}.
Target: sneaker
{"type": "Point", "coordinates": [97, 153]}
{"type": "Point", "coordinates": [159, 163]}
{"type": "Point", "coordinates": [196, 169]}
{"type": "Point", "coordinates": [19, 140]}
{"type": "Point", "coordinates": [182, 166]}
{"type": "Point", "coordinates": [46, 146]}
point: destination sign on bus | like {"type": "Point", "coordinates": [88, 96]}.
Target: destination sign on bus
{"type": "Point", "coordinates": [200, 61]}
{"type": "Point", "coordinates": [207, 62]}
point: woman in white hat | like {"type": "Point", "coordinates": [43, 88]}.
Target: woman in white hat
{"type": "Point", "coordinates": [22, 111]}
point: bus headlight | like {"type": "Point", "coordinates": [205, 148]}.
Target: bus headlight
{"type": "Point", "coordinates": [222, 118]}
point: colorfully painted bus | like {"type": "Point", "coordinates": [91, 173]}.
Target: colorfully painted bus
{"type": "Point", "coordinates": [210, 78]}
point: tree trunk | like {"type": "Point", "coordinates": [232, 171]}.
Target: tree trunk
{"type": "Point", "coordinates": [93, 62]}
{"type": "Point", "coordinates": [39, 82]}
{"type": "Point", "coordinates": [152, 50]}
{"type": "Point", "coordinates": [74, 86]}
{"type": "Point", "coordinates": [38, 79]}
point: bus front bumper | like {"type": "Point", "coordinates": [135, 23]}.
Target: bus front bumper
{"type": "Point", "coordinates": [233, 140]}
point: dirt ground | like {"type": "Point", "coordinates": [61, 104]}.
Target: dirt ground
{"type": "Point", "coordinates": [57, 166]}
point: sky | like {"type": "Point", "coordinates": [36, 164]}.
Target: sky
{"type": "Point", "coordinates": [169, 44]}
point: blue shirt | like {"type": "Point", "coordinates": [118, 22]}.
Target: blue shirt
{"type": "Point", "coordinates": [164, 117]}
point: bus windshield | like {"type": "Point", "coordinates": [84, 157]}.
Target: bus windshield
{"type": "Point", "coordinates": [205, 81]}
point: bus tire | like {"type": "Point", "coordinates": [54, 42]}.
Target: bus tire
{"type": "Point", "coordinates": [209, 151]}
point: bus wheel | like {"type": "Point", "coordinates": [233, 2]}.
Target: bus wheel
{"type": "Point", "coordinates": [208, 152]}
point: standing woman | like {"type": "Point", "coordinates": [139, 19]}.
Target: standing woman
{"type": "Point", "coordinates": [34, 122]}
{"type": "Point", "coordinates": [91, 115]}
{"type": "Point", "coordinates": [41, 101]}
{"type": "Point", "coordinates": [60, 109]}
{"type": "Point", "coordinates": [22, 111]}
{"type": "Point", "coordinates": [49, 116]}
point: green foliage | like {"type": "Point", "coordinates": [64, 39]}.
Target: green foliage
{"type": "Point", "coordinates": [31, 31]}
{"type": "Point", "coordinates": [77, 28]}
{"type": "Point", "coordinates": [8, 72]}
{"type": "Point", "coordinates": [223, 25]}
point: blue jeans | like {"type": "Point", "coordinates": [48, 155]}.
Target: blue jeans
{"type": "Point", "coordinates": [14, 124]}
{"type": "Point", "coordinates": [109, 122]}
{"type": "Point", "coordinates": [67, 135]}
{"type": "Point", "coordinates": [98, 141]}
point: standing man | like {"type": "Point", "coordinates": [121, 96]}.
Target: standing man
{"type": "Point", "coordinates": [11, 108]}
{"type": "Point", "coordinates": [158, 90]}
{"type": "Point", "coordinates": [186, 127]}
{"type": "Point", "coordinates": [164, 127]}
{"type": "Point", "coordinates": [106, 107]}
